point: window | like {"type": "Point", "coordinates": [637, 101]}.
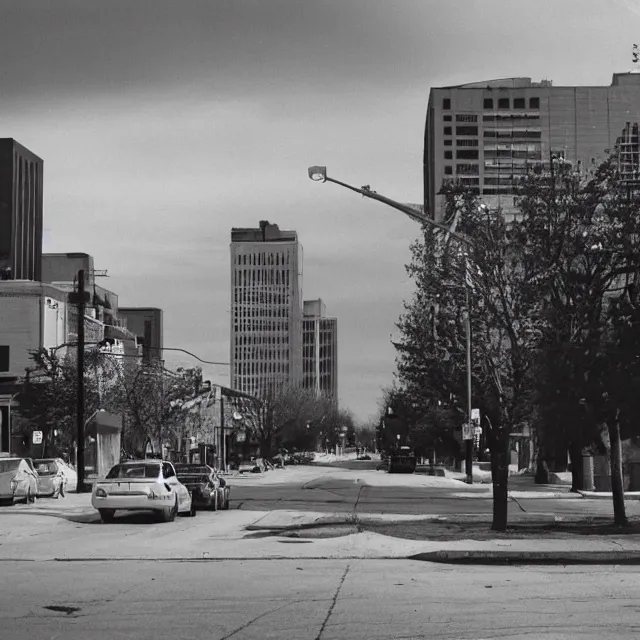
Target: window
{"type": "Point", "coordinates": [4, 358]}
{"type": "Point", "coordinates": [534, 103]}
{"type": "Point", "coordinates": [503, 103]}
{"type": "Point", "coordinates": [448, 155]}
{"type": "Point", "coordinates": [467, 154]}
{"type": "Point", "coordinates": [446, 118]}
{"type": "Point", "coordinates": [466, 131]}
{"type": "Point", "coordinates": [447, 143]}
{"type": "Point", "coordinates": [518, 103]}
{"type": "Point", "coordinates": [488, 103]}
{"type": "Point", "coordinates": [446, 103]}
{"type": "Point", "coordinates": [466, 143]}
{"type": "Point", "coordinates": [448, 170]}
{"type": "Point", "coordinates": [466, 118]}
{"type": "Point", "coordinates": [447, 131]}
{"type": "Point", "coordinates": [469, 169]}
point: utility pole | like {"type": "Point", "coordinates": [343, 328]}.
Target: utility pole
{"type": "Point", "coordinates": [468, 442]}
{"type": "Point", "coordinates": [80, 299]}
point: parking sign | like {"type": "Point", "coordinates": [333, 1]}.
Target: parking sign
{"type": "Point", "coordinates": [37, 437]}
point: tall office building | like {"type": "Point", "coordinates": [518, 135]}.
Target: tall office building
{"type": "Point", "coordinates": [266, 308]}
{"type": "Point", "coordinates": [146, 324]}
{"type": "Point", "coordinates": [319, 349]}
{"type": "Point", "coordinates": [20, 212]}
{"type": "Point", "coordinates": [488, 134]}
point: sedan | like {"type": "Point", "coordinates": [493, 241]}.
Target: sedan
{"type": "Point", "coordinates": [142, 485]}
{"type": "Point", "coordinates": [207, 488]}
{"type": "Point", "coordinates": [18, 480]}
{"type": "Point", "coordinates": [51, 479]}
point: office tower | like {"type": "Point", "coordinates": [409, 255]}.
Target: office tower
{"type": "Point", "coordinates": [488, 134]}
{"type": "Point", "coordinates": [146, 324]}
{"type": "Point", "coordinates": [266, 308]}
{"type": "Point", "coordinates": [319, 350]}
{"type": "Point", "coordinates": [20, 212]}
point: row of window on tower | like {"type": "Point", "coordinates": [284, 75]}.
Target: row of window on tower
{"type": "Point", "coordinates": [261, 339]}
{"type": "Point", "coordinates": [262, 259]}
{"type": "Point", "coordinates": [267, 277]}
{"type": "Point", "coordinates": [260, 368]}
{"type": "Point", "coordinates": [502, 103]}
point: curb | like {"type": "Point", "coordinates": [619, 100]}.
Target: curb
{"type": "Point", "coordinates": [529, 557]}
{"type": "Point", "coordinates": [597, 495]}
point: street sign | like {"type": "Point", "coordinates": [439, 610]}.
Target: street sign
{"type": "Point", "coordinates": [37, 437]}
{"type": "Point", "coordinates": [467, 432]}
{"type": "Point", "coordinates": [475, 416]}
{"type": "Point", "coordinates": [241, 436]}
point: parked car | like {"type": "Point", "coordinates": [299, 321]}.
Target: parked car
{"type": "Point", "coordinates": [18, 480]}
{"type": "Point", "coordinates": [142, 485]}
{"type": "Point", "coordinates": [207, 488]}
{"type": "Point", "coordinates": [51, 480]}
{"type": "Point", "coordinates": [69, 473]}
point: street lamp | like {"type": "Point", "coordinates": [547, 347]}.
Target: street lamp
{"type": "Point", "coordinates": [319, 174]}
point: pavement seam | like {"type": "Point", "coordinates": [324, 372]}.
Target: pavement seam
{"type": "Point", "coordinates": [333, 602]}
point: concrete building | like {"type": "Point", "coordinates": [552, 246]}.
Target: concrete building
{"type": "Point", "coordinates": [146, 324]}
{"type": "Point", "coordinates": [488, 134]}
{"type": "Point", "coordinates": [20, 212]}
{"type": "Point", "coordinates": [266, 308]}
{"type": "Point", "coordinates": [319, 349]}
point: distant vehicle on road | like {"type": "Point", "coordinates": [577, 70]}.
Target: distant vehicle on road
{"type": "Point", "coordinates": [142, 485]}
{"type": "Point", "coordinates": [207, 488]}
{"type": "Point", "coordinates": [52, 481]}
{"type": "Point", "coordinates": [18, 480]}
{"type": "Point", "coordinates": [402, 460]}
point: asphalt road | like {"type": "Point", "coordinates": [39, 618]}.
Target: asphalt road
{"type": "Point", "coordinates": [315, 600]}
{"type": "Point", "coordinates": [323, 492]}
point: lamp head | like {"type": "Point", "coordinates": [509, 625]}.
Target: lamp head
{"type": "Point", "coordinates": [318, 174]}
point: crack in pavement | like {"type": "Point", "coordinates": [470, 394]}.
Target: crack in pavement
{"type": "Point", "coordinates": [262, 615]}
{"type": "Point", "coordinates": [333, 603]}
{"type": "Point", "coordinates": [521, 507]}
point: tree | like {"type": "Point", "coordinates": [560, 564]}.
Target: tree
{"type": "Point", "coordinates": [49, 397]}
{"type": "Point", "coordinates": [584, 234]}
{"type": "Point", "coordinates": [280, 411]}
{"type": "Point", "coordinates": [486, 279]}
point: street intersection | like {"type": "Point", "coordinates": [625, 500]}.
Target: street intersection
{"type": "Point", "coordinates": [245, 574]}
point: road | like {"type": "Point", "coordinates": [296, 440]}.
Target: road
{"type": "Point", "coordinates": [315, 600]}
{"type": "Point", "coordinates": [327, 489]}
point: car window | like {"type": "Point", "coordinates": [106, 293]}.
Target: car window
{"type": "Point", "coordinates": [167, 470]}
{"type": "Point", "coordinates": [47, 468]}
{"type": "Point", "coordinates": [141, 470]}
{"type": "Point", "coordinates": [9, 465]}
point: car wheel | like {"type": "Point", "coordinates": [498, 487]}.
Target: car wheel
{"type": "Point", "coordinates": [107, 515]}
{"type": "Point", "coordinates": [226, 503]}
{"type": "Point", "coordinates": [168, 514]}
{"type": "Point", "coordinates": [214, 502]}
{"type": "Point", "coordinates": [31, 498]}
{"type": "Point", "coordinates": [192, 510]}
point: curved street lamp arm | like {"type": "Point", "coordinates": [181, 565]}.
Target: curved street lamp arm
{"type": "Point", "coordinates": [409, 211]}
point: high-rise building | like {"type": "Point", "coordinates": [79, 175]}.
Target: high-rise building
{"type": "Point", "coordinates": [319, 349]}
{"type": "Point", "coordinates": [20, 212]}
{"type": "Point", "coordinates": [266, 308]}
{"type": "Point", "coordinates": [488, 134]}
{"type": "Point", "coordinates": [146, 324]}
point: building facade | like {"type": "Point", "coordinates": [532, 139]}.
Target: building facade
{"type": "Point", "coordinates": [20, 212]}
{"type": "Point", "coordinates": [266, 308]}
{"type": "Point", "coordinates": [146, 324]}
{"type": "Point", "coordinates": [319, 350]}
{"type": "Point", "coordinates": [487, 135]}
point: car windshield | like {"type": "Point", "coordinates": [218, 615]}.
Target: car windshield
{"type": "Point", "coordinates": [182, 469]}
{"type": "Point", "coordinates": [46, 467]}
{"type": "Point", "coordinates": [141, 470]}
{"type": "Point", "coordinates": [9, 465]}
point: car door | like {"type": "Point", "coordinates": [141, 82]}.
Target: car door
{"type": "Point", "coordinates": [169, 474]}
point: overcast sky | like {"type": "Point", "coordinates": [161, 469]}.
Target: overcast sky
{"type": "Point", "coordinates": [164, 124]}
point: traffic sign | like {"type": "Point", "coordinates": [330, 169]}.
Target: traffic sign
{"type": "Point", "coordinates": [467, 432]}
{"type": "Point", "coordinates": [37, 437]}
{"type": "Point", "coordinates": [475, 416]}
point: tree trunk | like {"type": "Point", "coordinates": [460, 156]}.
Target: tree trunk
{"type": "Point", "coordinates": [500, 479]}
{"type": "Point", "coordinates": [617, 487]}
{"type": "Point", "coordinates": [577, 467]}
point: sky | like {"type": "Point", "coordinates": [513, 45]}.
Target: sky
{"type": "Point", "coordinates": [163, 124]}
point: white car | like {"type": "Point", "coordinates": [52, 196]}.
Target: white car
{"type": "Point", "coordinates": [69, 473]}
{"type": "Point", "coordinates": [142, 485]}
{"type": "Point", "coordinates": [18, 480]}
